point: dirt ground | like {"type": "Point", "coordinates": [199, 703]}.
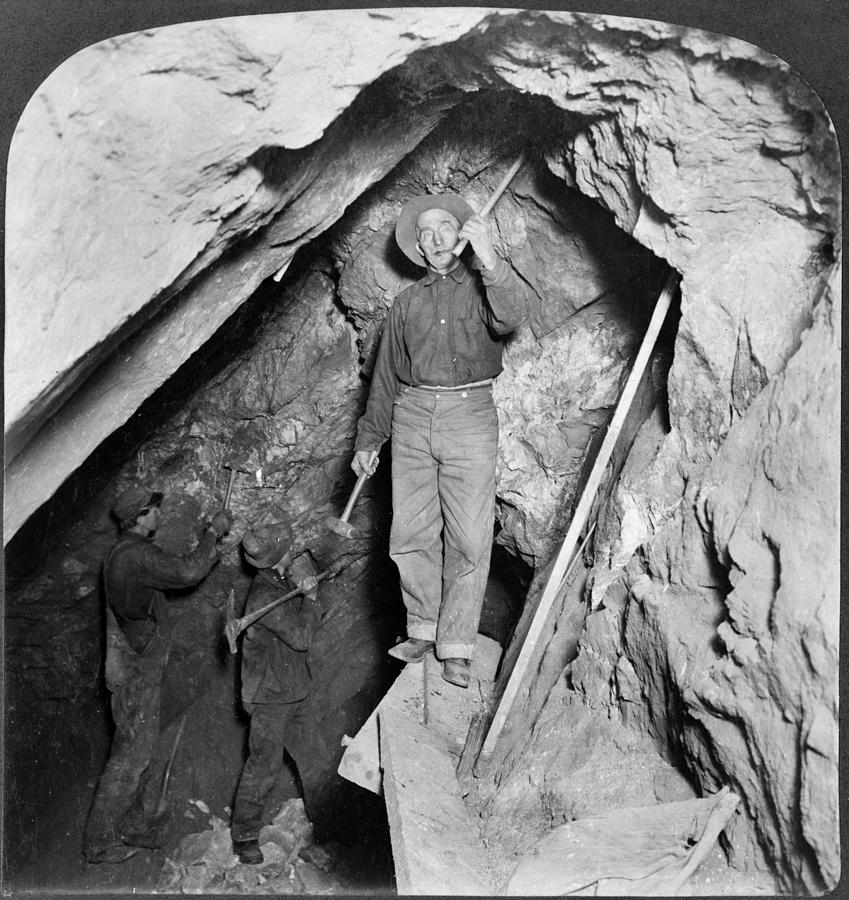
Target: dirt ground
{"type": "Point", "coordinates": [364, 867]}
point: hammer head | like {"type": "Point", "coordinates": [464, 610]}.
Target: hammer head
{"type": "Point", "coordinates": [340, 527]}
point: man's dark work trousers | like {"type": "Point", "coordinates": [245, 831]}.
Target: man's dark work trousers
{"type": "Point", "coordinates": [134, 681]}
{"type": "Point", "coordinates": [276, 727]}
{"type": "Point", "coordinates": [444, 446]}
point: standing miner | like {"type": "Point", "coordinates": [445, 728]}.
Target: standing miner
{"type": "Point", "coordinates": [136, 574]}
{"type": "Point", "coordinates": [277, 692]}
{"type": "Point", "coordinates": [432, 390]}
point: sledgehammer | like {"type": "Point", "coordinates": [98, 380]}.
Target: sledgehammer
{"type": "Point", "coordinates": [342, 526]}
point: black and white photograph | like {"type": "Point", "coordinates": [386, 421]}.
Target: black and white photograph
{"type": "Point", "coordinates": [422, 462]}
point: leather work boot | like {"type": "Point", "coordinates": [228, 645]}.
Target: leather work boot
{"type": "Point", "coordinates": [248, 852]}
{"type": "Point", "coordinates": [456, 671]}
{"type": "Point", "coordinates": [413, 650]}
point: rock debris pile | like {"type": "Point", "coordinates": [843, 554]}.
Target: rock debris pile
{"type": "Point", "coordinates": [204, 863]}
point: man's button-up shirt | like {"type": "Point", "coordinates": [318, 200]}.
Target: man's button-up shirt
{"type": "Point", "coordinates": [442, 330]}
{"type": "Point", "coordinates": [137, 573]}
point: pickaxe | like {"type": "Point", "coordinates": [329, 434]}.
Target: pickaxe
{"type": "Point", "coordinates": [494, 197]}
{"type": "Point", "coordinates": [233, 627]}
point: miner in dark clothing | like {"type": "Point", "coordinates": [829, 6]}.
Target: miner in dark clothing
{"type": "Point", "coordinates": [137, 574]}
{"type": "Point", "coordinates": [432, 392]}
{"type": "Point", "coordinates": [277, 690]}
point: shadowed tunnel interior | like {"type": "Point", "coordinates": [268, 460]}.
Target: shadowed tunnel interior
{"type": "Point", "coordinates": [218, 303]}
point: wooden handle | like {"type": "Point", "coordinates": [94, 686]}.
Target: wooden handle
{"type": "Point", "coordinates": [237, 626]}
{"type": "Point", "coordinates": [494, 197]}
{"type": "Point", "coordinates": [354, 494]}
{"type": "Point", "coordinates": [229, 488]}
{"type": "Point", "coordinates": [357, 488]}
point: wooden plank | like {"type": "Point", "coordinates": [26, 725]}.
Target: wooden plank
{"type": "Point", "coordinates": [474, 739]}
{"type": "Point", "coordinates": [360, 762]}
{"type": "Point", "coordinates": [582, 511]}
{"type": "Point", "coordinates": [450, 709]}
{"type": "Point", "coordinates": [436, 847]}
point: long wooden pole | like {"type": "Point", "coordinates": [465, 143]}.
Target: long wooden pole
{"type": "Point", "coordinates": [579, 519]}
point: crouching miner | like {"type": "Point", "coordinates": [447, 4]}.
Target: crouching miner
{"type": "Point", "coordinates": [136, 575]}
{"type": "Point", "coordinates": [277, 692]}
{"type": "Point", "coordinates": [432, 391]}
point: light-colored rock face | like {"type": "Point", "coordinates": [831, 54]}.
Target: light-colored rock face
{"type": "Point", "coordinates": [173, 163]}
{"type": "Point", "coordinates": [164, 165]}
{"type": "Point", "coordinates": [151, 194]}
{"type": "Point", "coordinates": [156, 156]}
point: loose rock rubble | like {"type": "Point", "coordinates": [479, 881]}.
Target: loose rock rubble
{"type": "Point", "coordinates": [205, 862]}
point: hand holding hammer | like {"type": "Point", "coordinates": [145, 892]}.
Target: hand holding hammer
{"type": "Point", "coordinates": [365, 465]}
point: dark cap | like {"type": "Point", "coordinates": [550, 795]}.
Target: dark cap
{"type": "Point", "coordinates": [405, 228]}
{"type": "Point", "coordinates": [131, 502]}
{"type": "Point", "coordinates": [267, 545]}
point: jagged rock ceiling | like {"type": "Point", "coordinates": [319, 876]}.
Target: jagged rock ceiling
{"type": "Point", "coordinates": [191, 177]}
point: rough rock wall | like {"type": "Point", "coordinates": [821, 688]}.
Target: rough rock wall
{"type": "Point", "coordinates": [125, 126]}
{"type": "Point", "coordinates": [280, 389]}
{"type": "Point", "coordinates": [720, 640]}
{"type": "Point", "coordinates": [173, 147]}
{"type": "Point", "coordinates": [277, 402]}
{"type": "Point", "coordinates": [720, 160]}
{"type": "Point", "coordinates": [768, 504]}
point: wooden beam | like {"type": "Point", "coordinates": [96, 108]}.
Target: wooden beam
{"type": "Point", "coordinates": [579, 519]}
{"type": "Point", "coordinates": [449, 710]}
{"type": "Point", "coordinates": [437, 849]}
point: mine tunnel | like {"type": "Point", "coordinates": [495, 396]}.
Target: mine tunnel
{"type": "Point", "coordinates": [200, 260]}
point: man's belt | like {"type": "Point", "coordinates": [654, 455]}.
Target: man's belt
{"type": "Point", "coordinates": [455, 387]}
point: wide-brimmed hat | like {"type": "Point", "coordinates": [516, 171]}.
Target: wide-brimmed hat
{"type": "Point", "coordinates": [405, 227]}
{"type": "Point", "coordinates": [131, 502]}
{"type": "Point", "coordinates": [267, 545]}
